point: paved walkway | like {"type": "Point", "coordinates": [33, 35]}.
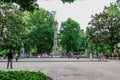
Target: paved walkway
{"type": "Point", "coordinates": [56, 60]}
{"type": "Point", "coordinates": [71, 69]}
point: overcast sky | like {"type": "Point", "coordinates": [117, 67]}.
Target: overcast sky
{"type": "Point", "coordinates": [80, 10]}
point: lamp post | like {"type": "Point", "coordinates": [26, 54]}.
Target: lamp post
{"type": "Point", "coordinates": [55, 49]}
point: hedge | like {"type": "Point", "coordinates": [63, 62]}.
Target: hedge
{"type": "Point", "coordinates": [22, 75]}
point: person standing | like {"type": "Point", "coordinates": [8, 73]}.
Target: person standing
{"type": "Point", "coordinates": [112, 55]}
{"type": "Point", "coordinates": [10, 58]}
{"type": "Point", "coordinates": [99, 57]}
{"type": "Point", "coordinates": [69, 55]}
{"type": "Point", "coordinates": [102, 56]}
{"type": "Point", "coordinates": [16, 56]}
{"type": "Point", "coordinates": [91, 55]}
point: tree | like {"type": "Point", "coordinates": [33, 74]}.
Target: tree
{"type": "Point", "coordinates": [104, 28]}
{"type": "Point", "coordinates": [71, 39]}
{"type": "Point", "coordinates": [29, 5]}
{"type": "Point", "coordinates": [24, 4]}
{"type": "Point", "coordinates": [69, 1]}
{"type": "Point", "coordinates": [41, 30]}
{"type": "Point", "coordinates": [11, 26]}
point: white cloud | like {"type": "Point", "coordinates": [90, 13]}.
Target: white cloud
{"type": "Point", "coordinates": [80, 10]}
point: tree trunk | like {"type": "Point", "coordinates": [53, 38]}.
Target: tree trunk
{"type": "Point", "coordinates": [112, 40]}
{"type": "Point", "coordinates": [39, 49]}
{"type": "Point", "coordinates": [67, 50]}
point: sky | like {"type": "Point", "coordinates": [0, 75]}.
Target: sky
{"type": "Point", "coordinates": [80, 10]}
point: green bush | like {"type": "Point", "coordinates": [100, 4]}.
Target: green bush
{"type": "Point", "coordinates": [22, 75]}
{"type": "Point", "coordinates": [3, 52]}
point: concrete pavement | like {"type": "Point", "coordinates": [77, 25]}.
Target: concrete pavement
{"type": "Point", "coordinates": [56, 60]}
{"type": "Point", "coordinates": [71, 69]}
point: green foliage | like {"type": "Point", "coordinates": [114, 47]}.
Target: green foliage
{"type": "Point", "coordinates": [104, 28]}
{"type": "Point", "coordinates": [69, 1]}
{"type": "Point", "coordinates": [3, 52]}
{"type": "Point", "coordinates": [24, 4]}
{"type": "Point", "coordinates": [40, 29]}
{"type": "Point", "coordinates": [106, 50]}
{"type": "Point", "coordinates": [11, 26]}
{"type": "Point", "coordinates": [113, 10]}
{"type": "Point", "coordinates": [29, 5]}
{"type": "Point", "coordinates": [71, 35]}
{"type": "Point", "coordinates": [22, 75]}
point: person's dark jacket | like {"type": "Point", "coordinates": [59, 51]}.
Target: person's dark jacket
{"type": "Point", "coordinates": [10, 55]}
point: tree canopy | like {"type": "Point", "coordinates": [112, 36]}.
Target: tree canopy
{"type": "Point", "coordinates": [11, 26]}
{"type": "Point", "coordinates": [71, 35]}
{"type": "Point", "coordinates": [41, 30]}
{"type": "Point", "coordinates": [69, 1]}
{"type": "Point", "coordinates": [24, 4]}
{"type": "Point", "coordinates": [29, 5]}
{"type": "Point", "coordinates": [104, 29]}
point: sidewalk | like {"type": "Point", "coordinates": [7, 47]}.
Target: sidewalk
{"type": "Point", "coordinates": [57, 60]}
{"type": "Point", "coordinates": [68, 69]}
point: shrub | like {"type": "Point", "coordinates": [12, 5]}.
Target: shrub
{"type": "Point", "coordinates": [22, 75]}
{"type": "Point", "coordinates": [3, 52]}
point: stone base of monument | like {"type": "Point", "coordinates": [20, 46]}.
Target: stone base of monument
{"type": "Point", "coordinates": [23, 55]}
{"type": "Point", "coordinates": [56, 55]}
